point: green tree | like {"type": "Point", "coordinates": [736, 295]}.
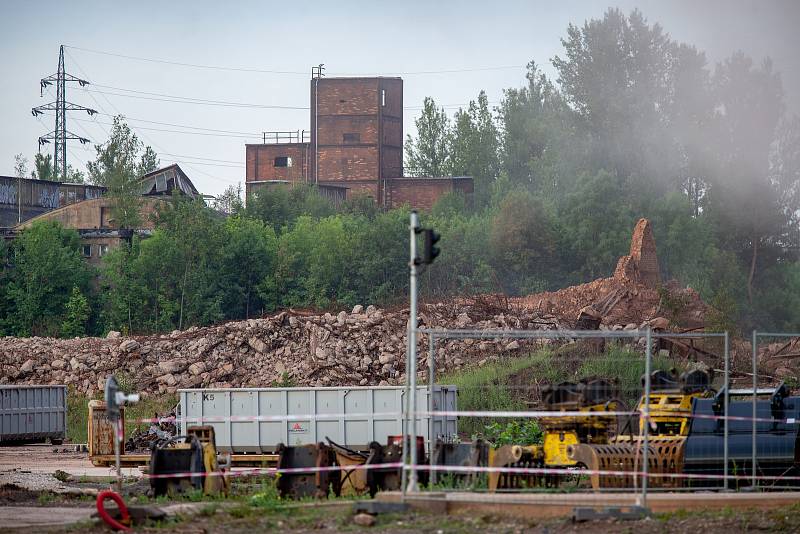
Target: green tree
{"type": "Point", "coordinates": [617, 75]}
{"type": "Point", "coordinates": [429, 154]}
{"type": "Point", "coordinates": [474, 147]}
{"type": "Point", "coordinates": [754, 208]}
{"type": "Point", "coordinates": [120, 162]}
{"type": "Point", "coordinates": [43, 167]}
{"type": "Point", "coordinates": [47, 267]}
{"type": "Point", "coordinates": [230, 201]}
{"type": "Point", "coordinates": [281, 206]}
{"type": "Point", "coordinates": [248, 258]}
{"type": "Point", "coordinates": [76, 315]}
{"type": "Point", "coordinates": [534, 126]}
{"type": "Point", "coordinates": [523, 242]}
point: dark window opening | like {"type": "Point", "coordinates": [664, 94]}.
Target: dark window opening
{"type": "Point", "coordinates": [86, 250]}
{"type": "Point", "coordinates": [341, 101]}
{"type": "Point", "coordinates": [283, 161]}
{"type": "Point", "coordinates": [351, 138]}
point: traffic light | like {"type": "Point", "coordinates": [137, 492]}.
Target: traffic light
{"type": "Point", "coordinates": [429, 252]}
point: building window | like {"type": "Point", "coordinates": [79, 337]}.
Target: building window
{"type": "Point", "coordinates": [351, 138]}
{"type": "Point", "coordinates": [283, 161]}
{"type": "Point", "coordinates": [86, 250]}
{"type": "Point", "coordinates": [103, 250]}
{"type": "Point", "coordinates": [383, 97]}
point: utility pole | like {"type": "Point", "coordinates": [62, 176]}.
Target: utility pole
{"type": "Point", "coordinates": [60, 134]}
{"type": "Point", "coordinates": [316, 74]}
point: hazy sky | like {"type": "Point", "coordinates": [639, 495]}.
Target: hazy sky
{"type": "Point", "coordinates": [409, 38]}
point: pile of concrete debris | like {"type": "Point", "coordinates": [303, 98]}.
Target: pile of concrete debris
{"type": "Point", "coordinates": [363, 347]}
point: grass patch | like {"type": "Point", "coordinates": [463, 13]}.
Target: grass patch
{"type": "Point", "coordinates": [512, 384]}
{"type": "Point", "coordinates": [78, 413]}
{"type": "Point", "coordinates": [485, 388]}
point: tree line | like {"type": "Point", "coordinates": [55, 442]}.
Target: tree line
{"type": "Point", "coordinates": [634, 125]}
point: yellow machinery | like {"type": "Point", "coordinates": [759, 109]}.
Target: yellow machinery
{"type": "Point", "coordinates": [560, 433]}
{"type": "Point", "coordinates": [670, 407]}
{"type": "Point", "coordinates": [175, 466]}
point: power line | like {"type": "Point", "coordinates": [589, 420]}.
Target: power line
{"type": "Point", "coordinates": [161, 151]}
{"type": "Point", "coordinates": [204, 159]}
{"type": "Point", "coordinates": [159, 97]}
{"type": "Point", "coordinates": [176, 99]}
{"type": "Point", "coordinates": [298, 73]}
{"type": "Point", "coordinates": [193, 65]}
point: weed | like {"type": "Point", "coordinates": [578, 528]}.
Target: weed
{"type": "Point", "coordinates": [61, 476]}
{"type": "Point", "coordinates": [285, 381]}
{"type": "Point", "coordinates": [514, 432]}
{"type": "Point", "coordinates": [240, 510]}
{"type": "Point", "coordinates": [46, 497]}
{"type": "Point", "coordinates": [209, 509]}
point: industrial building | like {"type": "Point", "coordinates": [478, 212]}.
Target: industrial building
{"type": "Point", "coordinates": [24, 198]}
{"type": "Point", "coordinates": [85, 209]}
{"type": "Point", "coordinates": [354, 146]}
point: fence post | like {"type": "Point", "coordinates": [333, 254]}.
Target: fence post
{"type": "Point", "coordinates": [431, 382]}
{"type": "Point", "coordinates": [726, 400]}
{"type": "Point", "coordinates": [646, 415]}
{"type": "Point", "coordinates": [755, 403]}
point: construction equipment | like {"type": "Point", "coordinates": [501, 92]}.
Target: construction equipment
{"type": "Point", "coordinates": [475, 454]}
{"type": "Point", "coordinates": [669, 407]}
{"type": "Point", "coordinates": [591, 396]}
{"type": "Point", "coordinates": [192, 460]}
{"type": "Point", "coordinates": [318, 481]}
{"type": "Point", "coordinates": [777, 437]}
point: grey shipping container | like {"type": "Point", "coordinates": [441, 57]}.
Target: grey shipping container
{"type": "Point", "coordinates": [350, 416]}
{"type": "Point", "coordinates": [33, 413]}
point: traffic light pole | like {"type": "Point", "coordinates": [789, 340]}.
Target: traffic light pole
{"type": "Point", "coordinates": [411, 364]}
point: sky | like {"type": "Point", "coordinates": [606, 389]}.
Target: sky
{"type": "Point", "coordinates": [444, 49]}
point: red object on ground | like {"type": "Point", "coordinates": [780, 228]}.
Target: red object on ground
{"type": "Point", "coordinates": [110, 521]}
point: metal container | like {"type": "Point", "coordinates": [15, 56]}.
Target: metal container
{"type": "Point", "coordinates": [350, 416]}
{"type": "Point", "coordinates": [33, 413]}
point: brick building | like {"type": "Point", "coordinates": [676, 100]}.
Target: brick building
{"type": "Point", "coordinates": [354, 146]}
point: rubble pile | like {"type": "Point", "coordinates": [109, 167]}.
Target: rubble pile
{"type": "Point", "coordinates": [781, 359]}
{"type": "Point", "coordinates": [634, 292]}
{"type": "Point", "coordinates": [161, 430]}
{"type": "Point", "coordinates": [363, 347]}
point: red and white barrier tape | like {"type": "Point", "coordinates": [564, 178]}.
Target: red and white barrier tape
{"type": "Point", "coordinates": [474, 469]}
{"type": "Point", "coordinates": [473, 413]}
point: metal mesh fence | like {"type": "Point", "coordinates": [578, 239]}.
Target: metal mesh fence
{"type": "Point", "coordinates": [599, 411]}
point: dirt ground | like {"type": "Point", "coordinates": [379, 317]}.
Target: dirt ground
{"type": "Point", "coordinates": [33, 500]}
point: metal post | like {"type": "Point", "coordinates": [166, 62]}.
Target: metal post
{"type": "Point", "coordinates": [411, 371]}
{"type": "Point", "coordinates": [404, 429]}
{"type": "Point", "coordinates": [755, 390]}
{"type": "Point", "coordinates": [118, 435]}
{"type": "Point", "coordinates": [646, 415]}
{"type": "Point", "coordinates": [725, 412]}
{"type": "Point", "coordinates": [431, 381]}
